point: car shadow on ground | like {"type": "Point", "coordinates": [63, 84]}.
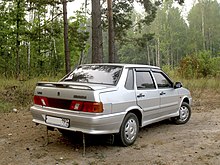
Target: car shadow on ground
{"type": "Point", "coordinates": [76, 138]}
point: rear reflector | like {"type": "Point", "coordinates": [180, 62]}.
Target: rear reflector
{"type": "Point", "coordinates": [74, 105]}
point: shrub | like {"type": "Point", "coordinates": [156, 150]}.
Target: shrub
{"type": "Point", "coordinates": [198, 66]}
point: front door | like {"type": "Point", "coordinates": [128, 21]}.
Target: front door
{"type": "Point", "coordinates": [169, 100]}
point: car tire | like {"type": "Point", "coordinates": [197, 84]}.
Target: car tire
{"type": "Point", "coordinates": [184, 114]}
{"type": "Point", "coordinates": [129, 130]}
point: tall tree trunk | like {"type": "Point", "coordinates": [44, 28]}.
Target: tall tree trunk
{"type": "Point", "coordinates": [81, 57]}
{"type": "Point", "coordinates": [97, 47]}
{"type": "Point", "coordinates": [83, 51]}
{"type": "Point", "coordinates": [177, 57]}
{"type": "Point", "coordinates": [148, 54]}
{"type": "Point", "coordinates": [39, 34]}
{"type": "Point", "coordinates": [66, 42]}
{"type": "Point", "coordinates": [17, 39]}
{"type": "Point", "coordinates": [203, 27]}
{"type": "Point", "coordinates": [158, 53]}
{"type": "Point", "coordinates": [111, 33]}
{"type": "Point", "coordinates": [209, 47]}
{"type": "Point", "coordinates": [29, 57]}
{"type": "Point", "coordinates": [168, 57]}
{"type": "Point", "coordinates": [153, 51]}
{"type": "Point", "coordinates": [172, 59]}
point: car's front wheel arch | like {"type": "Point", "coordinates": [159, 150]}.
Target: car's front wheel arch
{"type": "Point", "coordinates": [184, 114]}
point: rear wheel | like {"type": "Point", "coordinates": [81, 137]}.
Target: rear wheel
{"type": "Point", "coordinates": [184, 114]}
{"type": "Point", "coordinates": [129, 130]}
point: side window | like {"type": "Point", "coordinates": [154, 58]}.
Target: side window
{"type": "Point", "coordinates": [162, 81]}
{"type": "Point", "coordinates": [129, 84]}
{"type": "Point", "coordinates": [144, 80]}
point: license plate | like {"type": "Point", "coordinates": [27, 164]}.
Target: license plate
{"type": "Point", "coordinates": [58, 121]}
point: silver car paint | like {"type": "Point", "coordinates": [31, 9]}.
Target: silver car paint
{"type": "Point", "coordinates": [117, 102]}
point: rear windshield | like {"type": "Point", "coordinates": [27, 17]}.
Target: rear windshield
{"type": "Point", "coordinates": [97, 74]}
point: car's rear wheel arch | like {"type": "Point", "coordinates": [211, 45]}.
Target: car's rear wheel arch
{"type": "Point", "coordinates": [186, 100]}
{"type": "Point", "coordinates": [138, 114]}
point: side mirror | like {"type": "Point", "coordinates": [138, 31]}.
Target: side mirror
{"type": "Point", "coordinates": [178, 85]}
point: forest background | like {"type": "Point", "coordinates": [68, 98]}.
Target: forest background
{"type": "Point", "coordinates": [32, 42]}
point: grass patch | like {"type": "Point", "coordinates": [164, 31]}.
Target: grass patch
{"type": "Point", "coordinates": [5, 107]}
{"type": "Point", "coordinates": [18, 94]}
{"type": "Point", "coordinates": [209, 82]}
{"type": "Point", "coordinates": [203, 83]}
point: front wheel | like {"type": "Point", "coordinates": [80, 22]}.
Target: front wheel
{"type": "Point", "coordinates": [184, 114]}
{"type": "Point", "coordinates": [129, 130]}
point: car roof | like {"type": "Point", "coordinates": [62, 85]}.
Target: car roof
{"type": "Point", "coordinates": [127, 65]}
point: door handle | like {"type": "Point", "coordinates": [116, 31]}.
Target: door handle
{"type": "Point", "coordinates": [140, 95]}
{"type": "Point", "coordinates": [162, 93]}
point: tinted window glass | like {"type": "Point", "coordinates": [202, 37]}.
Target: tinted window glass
{"type": "Point", "coordinates": [130, 80]}
{"type": "Point", "coordinates": [100, 74]}
{"type": "Point", "coordinates": [144, 80]}
{"type": "Point", "coordinates": [162, 81]}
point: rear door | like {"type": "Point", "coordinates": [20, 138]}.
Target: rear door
{"type": "Point", "coordinates": [148, 97]}
{"type": "Point", "coordinates": [169, 99]}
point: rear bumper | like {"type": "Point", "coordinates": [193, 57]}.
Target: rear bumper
{"type": "Point", "coordinates": [82, 122]}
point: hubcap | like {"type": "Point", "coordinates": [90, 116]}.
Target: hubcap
{"type": "Point", "coordinates": [130, 129]}
{"type": "Point", "coordinates": [184, 113]}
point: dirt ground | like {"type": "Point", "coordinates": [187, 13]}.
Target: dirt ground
{"type": "Point", "coordinates": [163, 143]}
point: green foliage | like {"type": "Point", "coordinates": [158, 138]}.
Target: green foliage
{"type": "Point", "coordinates": [174, 37]}
{"type": "Point", "coordinates": [171, 72]}
{"type": "Point", "coordinates": [123, 12]}
{"type": "Point", "coordinates": [122, 17]}
{"type": "Point", "coordinates": [12, 30]}
{"type": "Point", "coordinates": [216, 66]}
{"type": "Point", "coordinates": [5, 106]}
{"type": "Point", "coordinates": [150, 9]}
{"type": "Point", "coordinates": [188, 67]}
{"type": "Point", "coordinates": [167, 40]}
{"type": "Point", "coordinates": [144, 39]}
{"type": "Point", "coordinates": [197, 66]}
{"type": "Point", "coordinates": [165, 37]}
{"type": "Point", "coordinates": [78, 36]}
{"type": "Point", "coordinates": [33, 31]}
{"type": "Point", "coordinates": [203, 27]}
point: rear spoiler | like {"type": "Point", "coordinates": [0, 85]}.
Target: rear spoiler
{"type": "Point", "coordinates": [64, 85]}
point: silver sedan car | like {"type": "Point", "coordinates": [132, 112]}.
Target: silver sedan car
{"type": "Point", "coordinates": [111, 99]}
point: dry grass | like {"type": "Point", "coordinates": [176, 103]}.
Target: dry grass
{"type": "Point", "coordinates": [18, 94]}
{"type": "Point", "coordinates": [203, 84]}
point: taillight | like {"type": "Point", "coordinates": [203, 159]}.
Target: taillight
{"type": "Point", "coordinates": [94, 107]}
{"type": "Point", "coordinates": [39, 100]}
